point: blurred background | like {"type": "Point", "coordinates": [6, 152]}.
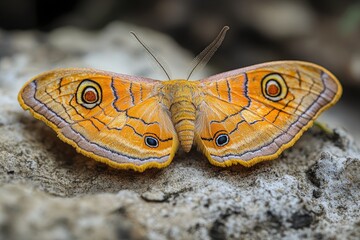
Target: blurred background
{"type": "Point", "coordinates": [326, 32]}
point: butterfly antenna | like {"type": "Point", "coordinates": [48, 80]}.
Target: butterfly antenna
{"type": "Point", "coordinates": [203, 58]}
{"type": "Point", "coordinates": [149, 50]}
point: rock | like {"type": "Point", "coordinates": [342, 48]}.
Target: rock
{"type": "Point", "coordinates": [154, 196]}
{"type": "Point", "coordinates": [277, 19]}
{"type": "Point", "coordinates": [30, 214]}
{"type": "Point", "coordinates": [48, 191]}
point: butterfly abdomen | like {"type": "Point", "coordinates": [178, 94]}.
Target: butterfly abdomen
{"type": "Point", "coordinates": [183, 117]}
{"type": "Point", "coordinates": [183, 111]}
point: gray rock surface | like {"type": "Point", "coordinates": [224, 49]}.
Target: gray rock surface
{"type": "Point", "coordinates": [48, 191]}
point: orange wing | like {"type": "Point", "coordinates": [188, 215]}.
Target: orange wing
{"type": "Point", "coordinates": [113, 118]}
{"type": "Point", "coordinates": [252, 114]}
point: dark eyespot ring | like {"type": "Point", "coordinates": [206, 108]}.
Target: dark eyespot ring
{"type": "Point", "coordinates": [222, 140]}
{"type": "Point", "coordinates": [274, 87]}
{"type": "Point", "coordinates": [88, 94]}
{"type": "Point", "coordinates": [151, 142]}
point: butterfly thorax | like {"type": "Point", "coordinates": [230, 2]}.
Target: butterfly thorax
{"type": "Point", "coordinates": [179, 98]}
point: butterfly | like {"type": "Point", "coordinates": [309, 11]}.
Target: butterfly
{"type": "Point", "coordinates": [243, 116]}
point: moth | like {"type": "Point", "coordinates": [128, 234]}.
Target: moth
{"type": "Point", "coordinates": [243, 116]}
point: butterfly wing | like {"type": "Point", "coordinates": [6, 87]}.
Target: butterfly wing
{"type": "Point", "coordinates": [252, 114]}
{"type": "Point", "coordinates": [115, 119]}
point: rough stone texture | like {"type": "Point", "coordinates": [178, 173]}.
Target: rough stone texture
{"type": "Point", "coordinates": [48, 191]}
